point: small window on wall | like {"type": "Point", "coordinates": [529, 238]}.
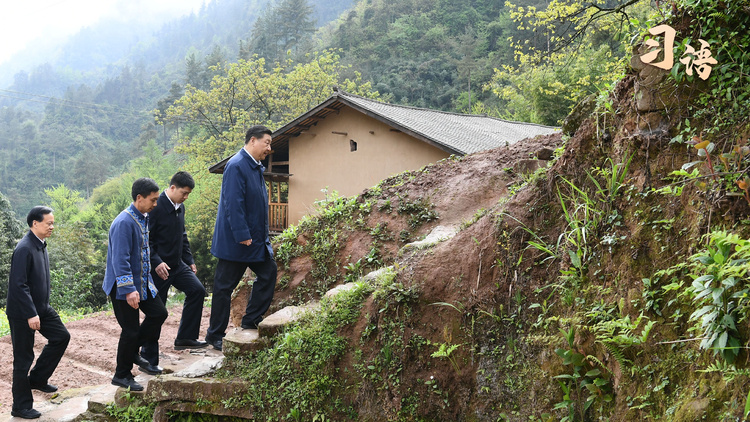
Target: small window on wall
{"type": "Point", "coordinates": [352, 145]}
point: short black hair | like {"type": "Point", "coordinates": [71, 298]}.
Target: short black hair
{"type": "Point", "coordinates": [182, 179]}
{"type": "Point", "coordinates": [144, 187]}
{"type": "Point", "coordinates": [37, 214]}
{"type": "Point", "coordinates": [257, 132]}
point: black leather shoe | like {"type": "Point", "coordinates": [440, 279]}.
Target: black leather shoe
{"type": "Point", "coordinates": [45, 388]}
{"type": "Point", "coordinates": [251, 326]}
{"type": "Point", "coordinates": [140, 360]}
{"type": "Point", "coordinates": [217, 344]}
{"type": "Point", "coordinates": [145, 366]}
{"type": "Point", "coordinates": [182, 344]}
{"type": "Point", "coordinates": [127, 383]}
{"type": "Point", "coordinates": [25, 413]}
{"type": "Point", "coordinates": [151, 369]}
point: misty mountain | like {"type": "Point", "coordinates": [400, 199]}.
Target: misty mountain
{"type": "Point", "coordinates": [83, 110]}
{"type": "Point", "coordinates": [99, 51]}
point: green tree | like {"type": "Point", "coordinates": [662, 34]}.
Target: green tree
{"type": "Point", "coordinates": [264, 37]}
{"type": "Point", "coordinates": [285, 27]}
{"type": "Point", "coordinates": [547, 92]}
{"type": "Point", "coordinates": [296, 23]}
{"type": "Point", "coordinates": [76, 264]}
{"type": "Point", "coordinates": [192, 73]}
{"type": "Point", "coordinates": [245, 93]}
{"type": "Point", "coordinates": [11, 230]}
{"type": "Point", "coordinates": [114, 195]}
{"type": "Point", "coordinates": [564, 51]}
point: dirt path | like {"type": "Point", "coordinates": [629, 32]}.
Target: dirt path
{"type": "Point", "coordinates": [90, 357]}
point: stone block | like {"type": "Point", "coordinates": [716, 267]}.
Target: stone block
{"type": "Point", "coordinates": [201, 368]}
{"type": "Point", "coordinates": [240, 342]}
{"type": "Point", "coordinates": [100, 398]}
{"type": "Point", "coordinates": [340, 288]}
{"type": "Point", "coordinates": [275, 322]}
{"type": "Point", "coordinates": [170, 387]}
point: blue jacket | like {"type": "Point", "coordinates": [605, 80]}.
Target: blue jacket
{"type": "Point", "coordinates": [29, 282]}
{"type": "Point", "coordinates": [128, 255]}
{"type": "Point", "coordinates": [243, 212]}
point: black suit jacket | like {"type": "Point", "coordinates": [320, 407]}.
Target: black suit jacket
{"type": "Point", "coordinates": [29, 282]}
{"type": "Point", "coordinates": [168, 238]}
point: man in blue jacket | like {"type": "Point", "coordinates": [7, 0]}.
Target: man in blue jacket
{"type": "Point", "coordinates": [128, 282]}
{"type": "Point", "coordinates": [29, 311]}
{"type": "Point", "coordinates": [241, 238]}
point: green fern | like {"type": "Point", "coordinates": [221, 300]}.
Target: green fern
{"type": "Point", "coordinates": [619, 355]}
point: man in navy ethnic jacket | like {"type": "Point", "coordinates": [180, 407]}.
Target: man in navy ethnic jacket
{"type": "Point", "coordinates": [128, 282]}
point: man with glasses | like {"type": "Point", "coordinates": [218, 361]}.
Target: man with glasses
{"type": "Point", "coordinates": [29, 311]}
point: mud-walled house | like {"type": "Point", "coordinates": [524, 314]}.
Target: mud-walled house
{"type": "Point", "coordinates": [348, 143]}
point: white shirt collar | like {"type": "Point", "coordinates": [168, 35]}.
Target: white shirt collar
{"type": "Point", "coordinates": [37, 237]}
{"type": "Point", "coordinates": [251, 156]}
{"type": "Point", "coordinates": [176, 206]}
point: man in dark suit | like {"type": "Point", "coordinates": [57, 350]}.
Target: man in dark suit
{"type": "Point", "coordinates": [241, 238]}
{"type": "Point", "coordinates": [29, 311]}
{"type": "Point", "coordinates": [172, 264]}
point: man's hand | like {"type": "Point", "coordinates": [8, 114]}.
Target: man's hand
{"type": "Point", "coordinates": [34, 323]}
{"type": "Point", "coordinates": [133, 298]}
{"type": "Point", "coordinates": [247, 242]}
{"type": "Point", "coordinates": [194, 268]}
{"type": "Point", "coordinates": [162, 270]}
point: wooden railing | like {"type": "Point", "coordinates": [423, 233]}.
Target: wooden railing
{"type": "Point", "coordinates": [278, 217]}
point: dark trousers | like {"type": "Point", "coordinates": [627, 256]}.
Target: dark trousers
{"type": "Point", "coordinates": [228, 275]}
{"type": "Point", "coordinates": [134, 333]}
{"type": "Point", "coordinates": [184, 280]}
{"type": "Point", "coordinates": [22, 337]}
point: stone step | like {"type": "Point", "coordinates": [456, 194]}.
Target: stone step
{"type": "Point", "coordinates": [239, 342]}
{"type": "Point", "coordinates": [283, 317]}
{"type": "Point", "coordinates": [345, 287]}
{"type": "Point", "coordinates": [242, 341]}
{"type": "Point", "coordinates": [195, 395]}
{"type": "Point", "coordinates": [194, 390]}
{"type": "Point", "coordinates": [201, 368]}
{"type": "Point", "coordinates": [437, 235]}
{"type": "Point", "coordinates": [101, 398]}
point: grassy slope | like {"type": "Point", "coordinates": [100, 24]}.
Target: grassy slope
{"type": "Point", "coordinates": [487, 327]}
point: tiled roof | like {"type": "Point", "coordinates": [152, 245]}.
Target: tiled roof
{"type": "Point", "coordinates": [454, 133]}
{"type": "Point", "coordinates": [462, 133]}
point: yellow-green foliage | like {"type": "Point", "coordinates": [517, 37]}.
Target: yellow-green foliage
{"type": "Point", "coordinates": [572, 49]}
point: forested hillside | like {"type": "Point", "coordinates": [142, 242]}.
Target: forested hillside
{"type": "Point", "coordinates": [427, 53]}
{"type": "Point", "coordinates": [79, 117]}
{"type": "Point", "coordinates": [460, 56]}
